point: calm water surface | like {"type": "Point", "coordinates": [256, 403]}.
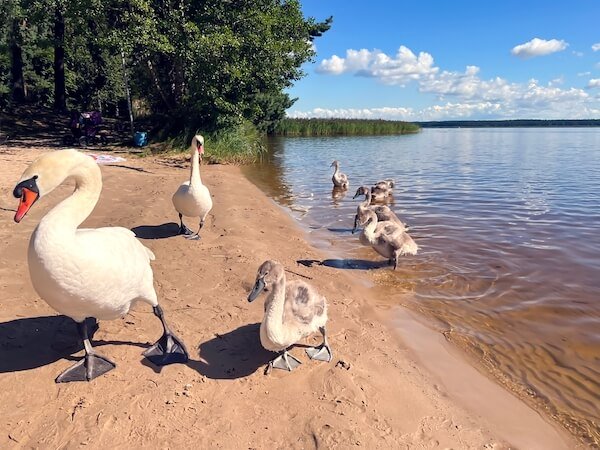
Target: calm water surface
{"type": "Point", "coordinates": [508, 224]}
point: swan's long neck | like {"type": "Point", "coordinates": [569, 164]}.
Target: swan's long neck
{"type": "Point", "coordinates": [366, 202]}
{"type": "Point", "coordinates": [72, 211]}
{"type": "Point", "coordinates": [195, 170]}
{"type": "Point", "coordinates": [274, 306]}
{"type": "Point", "coordinates": [336, 170]}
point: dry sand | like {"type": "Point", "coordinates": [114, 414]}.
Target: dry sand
{"type": "Point", "coordinates": [374, 394]}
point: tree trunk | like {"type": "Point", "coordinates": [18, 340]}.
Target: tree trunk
{"type": "Point", "coordinates": [19, 89]}
{"type": "Point", "coordinates": [159, 89]}
{"type": "Point", "coordinates": [126, 81]}
{"type": "Point", "coordinates": [60, 97]}
{"type": "Point", "coordinates": [95, 52]}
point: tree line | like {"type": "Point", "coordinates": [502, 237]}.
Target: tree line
{"type": "Point", "coordinates": [511, 123]}
{"type": "Point", "coordinates": [209, 64]}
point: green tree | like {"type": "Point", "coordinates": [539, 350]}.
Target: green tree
{"type": "Point", "coordinates": [198, 63]}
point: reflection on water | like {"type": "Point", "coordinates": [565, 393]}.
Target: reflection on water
{"type": "Point", "coordinates": [337, 195]}
{"type": "Point", "coordinates": [507, 221]}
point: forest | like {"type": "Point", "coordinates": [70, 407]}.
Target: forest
{"type": "Point", "coordinates": [213, 65]}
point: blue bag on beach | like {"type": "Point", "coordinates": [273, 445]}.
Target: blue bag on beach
{"type": "Point", "coordinates": [140, 138]}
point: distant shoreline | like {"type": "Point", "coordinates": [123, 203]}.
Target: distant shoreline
{"type": "Point", "coordinates": [315, 127]}
{"type": "Point", "coordinates": [517, 123]}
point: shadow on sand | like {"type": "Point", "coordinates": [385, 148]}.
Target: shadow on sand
{"type": "Point", "coordinates": [35, 342]}
{"type": "Point", "coordinates": [332, 229]}
{"type": "Point", "coordinates": [166, 230]}
{"type": "Point", "coordinates": [353, 264]}
{"type": "Point", "coordinates": [236, 354]}
{"type": "Point", "coordinates": [123, 166]}
{"type": "Point", "coordinates": [38, 341]}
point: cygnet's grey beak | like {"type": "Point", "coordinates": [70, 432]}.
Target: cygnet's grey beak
{"type": "Point", "coordinates": [257, 289]}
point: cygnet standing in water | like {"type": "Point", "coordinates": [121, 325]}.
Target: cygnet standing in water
{"type": "Point", "coordinates": [387, 238]}
{"type": "Point", "coordinates": [383, 212]}
{"type": "Point", "coordinates": [293, 311]}
{"type": "Point", "coordinates": [382, 191]}
{"type": "Point", "coordinates": [340, 180]}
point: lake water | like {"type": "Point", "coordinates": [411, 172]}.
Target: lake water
{"type": "Point", "coordinates": [508, 224]}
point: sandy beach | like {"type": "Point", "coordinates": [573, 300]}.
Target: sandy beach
{"type": "Point", "coordinates": [383, 389]}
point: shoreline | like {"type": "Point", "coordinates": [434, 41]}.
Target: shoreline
{"type": "Point", "coordinates": [220, 399]}
{"type": "Point", "coordinates": [440, 357]}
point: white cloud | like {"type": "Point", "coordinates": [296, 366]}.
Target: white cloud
{"type": "Point", "coordinates": [400, 69]}
{"type": "Point", "coordinates": [334, 66]}
{"type": "Point", "coordinates": [596, 47]}
{"type": "Point", "coordinates": [458, 110]}
{"type": "Point", "coordinates": [476, 98]}
{"type": "Point", "coordinates": [435, 112]}
{"type": "Point", "coordinates": [594, 83]}
{"type": "Point", "coordinates": [557, 81]}
{"type": "Point", "coordinates": [538, 47]}
{"type": "Point", "coordinates": [466, 85]}
{"type": "Point", "coordinates": [457, 94]}
{"type": "Point", "coordinates": [584, 74]}
{"type": "Point", "coordinates": [398, 113]}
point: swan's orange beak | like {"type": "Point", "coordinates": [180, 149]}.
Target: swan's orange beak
{"type": "Point", "coordinates": [28, 198]}
{"type": "Point", "coordinates": [201, 149]}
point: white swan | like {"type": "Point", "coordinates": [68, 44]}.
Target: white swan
{"type": "Point", "coordinates": [387, 238]}
{"type": "Point", "coordinates": [83, 273]}
{"type": "Point", "coordinates": [384, 213]}
{"type": "Point", "coordinates": [193, 199]}
{"type": "Point", "coordinates": [340, 180]}
{"type": "Point", "coordinates": [293, 311]}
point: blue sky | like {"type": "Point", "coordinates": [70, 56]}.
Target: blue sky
{"type": "Point", "coordinates": [454, 59]}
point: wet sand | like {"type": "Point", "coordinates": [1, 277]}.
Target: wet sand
{"type": "Point", "coordinates": [378, 392]}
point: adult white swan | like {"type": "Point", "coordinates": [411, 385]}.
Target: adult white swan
{"type": "Point", "coordinates": [293, 311]}
{"type": "Point", "coordinates": [81, 273]}
{"type": "Point", "coordinates": [193, 199]}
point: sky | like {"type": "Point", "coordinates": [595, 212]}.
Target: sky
{"type": "Point", "coordinates": [453, 60]}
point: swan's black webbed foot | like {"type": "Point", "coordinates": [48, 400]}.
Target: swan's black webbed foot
{"type": "Point", "coordinates": [169, 349]}
{"type": "Point", "coordinates": [91, 365]}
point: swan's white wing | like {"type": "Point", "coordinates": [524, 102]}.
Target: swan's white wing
{"type": "Point", "coordinates": [122, 235]}
{"type": "Point", "coordinates": [98, 274]}
{"type": "Point", "coordinates": [113, 259]}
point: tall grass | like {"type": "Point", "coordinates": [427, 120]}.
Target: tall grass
{"type": "Point", "coordinates": [240, 144]}
{"type": "Point", "coordinates": [342, 127]}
